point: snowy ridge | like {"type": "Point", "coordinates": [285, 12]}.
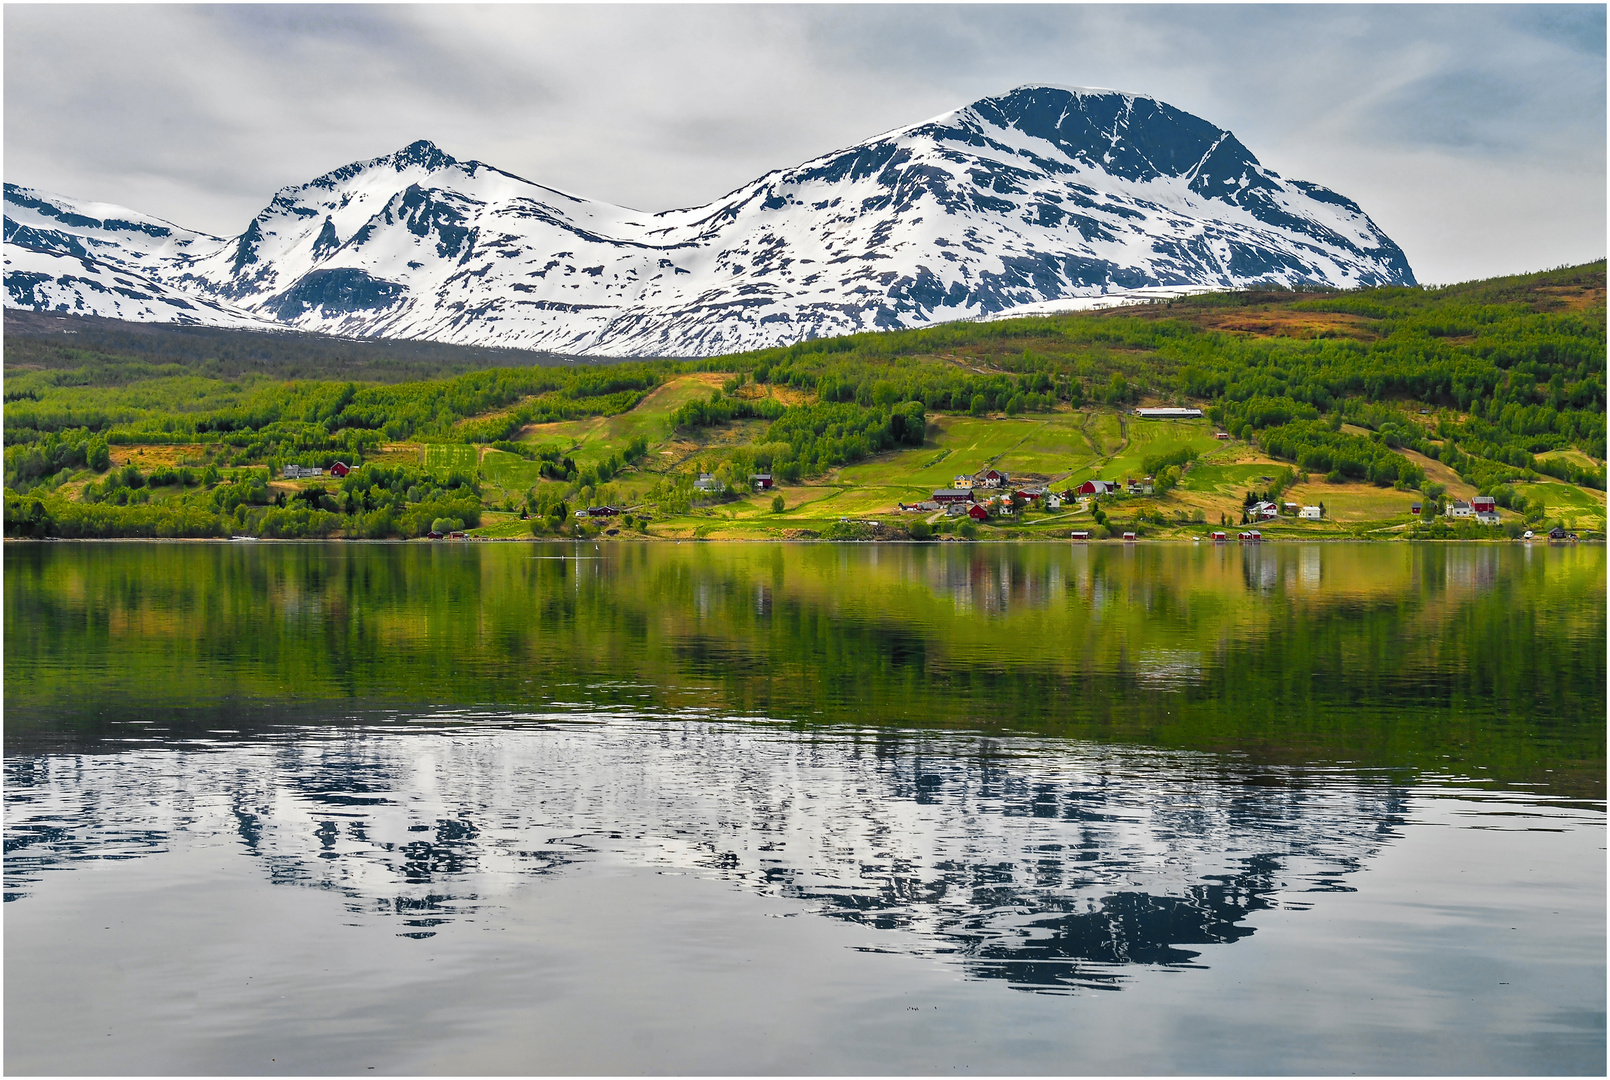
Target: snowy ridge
{"type": "Point", "coordinates": [1041, 196]}
{"type": "Point", "coordinates": [39, 280]}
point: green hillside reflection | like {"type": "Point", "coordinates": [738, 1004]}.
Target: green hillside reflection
{"type": "Point", "coordinates": [1482, 662]}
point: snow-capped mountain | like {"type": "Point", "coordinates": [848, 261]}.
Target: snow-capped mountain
{"type": "Point", "coordinates": [1043, 194]}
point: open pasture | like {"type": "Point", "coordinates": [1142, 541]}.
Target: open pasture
{"type": "Point", "coordinates": [1575, 457]}
{"type": "Point", "coordinates": [1229, 481]}
{"type": "Point", "coordinates": [976, 444]}
{"type": "Point", "coordinates": [1151, 438]}
{"type": "Point", "coordinates": [851, 502]}
{"type": "Point", "coordinates": [923, 467]}
{"type": "Point", "coordinates": [1055, 448]}
{"type": "Point", "coordinates": [150, 456]}
{"type": "Point", "coordinates": [1106, 432]}
{"type": "Point", "coordinates": [451, 457]}
{"type": "Point", "coordinates": [1576, 508]}
{"type": "Point", "coordinates": [957, 445]}
{"type": "Point", "coordinates": [1349, 504]}
{"type": "Point", "coordinates": [591, 440]}
{"type": "Point", "coordinates": [1437, 472]}
{"type": "Point", "coordinates": [511, 472]}
{"type": "Point", "coordinates": [398, 454]}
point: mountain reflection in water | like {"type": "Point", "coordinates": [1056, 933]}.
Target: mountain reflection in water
{"type": "Point", "coordinates": [1049, 863]}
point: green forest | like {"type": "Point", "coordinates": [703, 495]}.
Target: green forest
{"type": "Point", "coordinates": [1502, 382]}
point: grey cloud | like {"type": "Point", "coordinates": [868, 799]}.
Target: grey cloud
{"type": "Point", "coordinates": [198, 114]}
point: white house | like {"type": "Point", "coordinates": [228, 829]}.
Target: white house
{"type": "Point", "coordinates": [707, 482]}
{"type": "Point", "coordinates": [990, 478]}
{"type": "Point", "coordinates": [1309, 513]}
{"type": "Point", "coordinates": [1459, 509]}
{"type": "Point", "coordinates": [300, 472]}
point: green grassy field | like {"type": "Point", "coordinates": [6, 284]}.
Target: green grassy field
{"type": "Point", "coordinates": [1348, 504]}
{"type": "Point", "coordinates": [1229, 481]}
{"type": "Point", "coordinates": [1057, 447]}
{"type": "Point", "coordinates": [590, 441]}
{"type": "Point", "coordinates": [1151, 438]}
{"type": "Point", "coordinates": [1575, 507]}
{"type": "Point", "coordinates": [511, 472]}
{"type": "Point", "coordinates": [1575, 457]}
{"type": "Point", "coordinates": [444, 458]}
{"type": "Point", "coordinates": [1106, 432]}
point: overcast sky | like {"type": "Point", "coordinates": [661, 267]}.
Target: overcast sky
{"type": "Point", "coordinates": [1473, 135]}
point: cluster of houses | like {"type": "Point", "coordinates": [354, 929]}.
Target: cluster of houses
{"type": "Point", "coordinates": [1484, 508]}
{"type": "Point", "coordinates": [988, 494]}
{"type": "Point", "coordinates": [308, 472]}
{"type": "Point", "coordinates": [991, 493]}
{"type": "Point", "coordinates": [1269, 511]}
{"type": "Point", "coordinates": [1143, 486]}
{"type": "Point", "coordinates": [708, 482]}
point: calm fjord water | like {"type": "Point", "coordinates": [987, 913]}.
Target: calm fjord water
{"type": "Point", "coordinates": [804, 808]}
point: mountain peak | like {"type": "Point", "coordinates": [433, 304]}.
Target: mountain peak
{"type": "Point", "coordinates": [1072, 91]}
{"type": "Point", "coordinates": [1043, 194]}
{"type": "Point", "coordinates": [1129, 136]}
{"type": "Point", "coordinates": [425, 154]}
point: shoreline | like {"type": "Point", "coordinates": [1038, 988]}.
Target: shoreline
{"type": "Point", "coordinates": [1157, 542]}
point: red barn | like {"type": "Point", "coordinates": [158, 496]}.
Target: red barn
{"type": "Point", "coordinates": [978, 513]}
{"type": "Point", "coordinates": [339, 469]}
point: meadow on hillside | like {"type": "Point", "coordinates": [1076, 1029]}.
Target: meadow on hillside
{"type": "Point", "coordinates": [1366, 403]}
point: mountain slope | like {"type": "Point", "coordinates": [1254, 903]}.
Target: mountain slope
{"type": "Point", "coordinates": [40, 280]}
{"type": "Point", "coordinates": [1039, 195]}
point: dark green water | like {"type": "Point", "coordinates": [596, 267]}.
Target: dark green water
{"type": "Point", "coordinates": [1485, 662]}
{"type": "Point", "coordinates": [558, 795]}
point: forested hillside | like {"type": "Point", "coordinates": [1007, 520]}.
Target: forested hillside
{"type": "Point", "coordinates": [1495, 387]}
